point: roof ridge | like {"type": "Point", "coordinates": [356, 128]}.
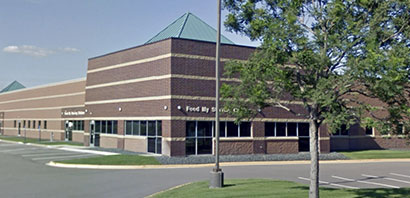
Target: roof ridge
{"type": "Point", "coordinates": [222, 36]}
{"type": "Point", "coordinates": [164, 29]}
{"type": "Point", "coordinates": [183, 24]}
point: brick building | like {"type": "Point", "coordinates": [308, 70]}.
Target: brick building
{"type": "Point", "coordinates": [159, 98]}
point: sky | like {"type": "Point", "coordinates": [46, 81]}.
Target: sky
{"type": "Point", "coordinates": [46, 41]}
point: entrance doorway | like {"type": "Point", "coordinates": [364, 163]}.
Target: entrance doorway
{"type": "Point", "coordinates": [303, 132]}
{"type": "Point", "coordinates": [199, 137]}
{"type": "Point", "coordinates": [94, 136]}
{"type": "Point", "coordinates": [154, 137]}
{"type": "Point", "coordinates": [19, 129]}
{"type": "Point", "coordinates": [68, 131]}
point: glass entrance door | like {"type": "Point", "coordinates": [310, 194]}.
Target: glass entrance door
{"type": "Point", "coordinates": [68, 131]}
{"type": "Point", "coordinates": [154, 137]}
{"type": "Point", "coordinates": [199, 137]}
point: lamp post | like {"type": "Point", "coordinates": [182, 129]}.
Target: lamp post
{"type": "Point", "coordinates": [217, 176]}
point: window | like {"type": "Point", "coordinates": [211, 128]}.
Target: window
{"type": "Point", "coordinates": [135, 128]}
{"type": "Point", "coordinates": [286, 129]}
{"type": "Point", "coordinates": [342, 131]}
{"type": "Point", "coordinates": [400, 129]}
{"type": "Point", "coordinates": [24, 124]}
{"type": "Point", "coordinates": [45, 124]}
{"type": "Point", "coordinates": [369, 131]}
{"type": "Point", "coordinates": [28, 124]}
{"type": "Point", "coordinates": [230, 129]}
{"type": "Point", "coordinates": [199, 137]}
{"type": "Point", "coordinates": [269, 129]}
{"type": "Point", "coordinates": [104, 126]}
{"type": "Point", "coordinates": [15, 123]}
{"type": "Point", "coordinates": [222, 129]}
{"type": "Point", "coordinates": [143, 128]}
{"type": "Point", "coordinates": [151, 128]}
{"type": "Point", "coordinates": [39, 124]}
{"type": "Point", "coordinates": [128, 127]}
{"type": "Point", "coordinates": [78, 125]}
{"type": "Point", "coordinates": [303, 129]}
{"type": "Point", "coordinates": [245, 129]}
{"type": "Point", "coordinates": [280, 129]}
{"type": "Point", "coordinates": [34, 124]}
{"type": "Point", "coordinates": [292, 129]}
{"type": "Point", "coordinates": [98, 126]}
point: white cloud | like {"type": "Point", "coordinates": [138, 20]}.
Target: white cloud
{"type": "Point", "coordinates": [28, 50]}
{"type": "Point", "coordinates": [37, 51]}
{"type": "Point", "coordinates": [69, 49]}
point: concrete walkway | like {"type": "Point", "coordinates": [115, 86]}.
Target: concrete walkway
{"type": "Point", "coordinates": [222, 164]}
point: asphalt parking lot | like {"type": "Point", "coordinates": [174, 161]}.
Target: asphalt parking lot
{"type": "Point", "coordinates": [44, 154]}
{"type": "Point", "coordinates": [23, 173]}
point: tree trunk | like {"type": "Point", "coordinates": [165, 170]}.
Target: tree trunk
{"type": "Point", "coordinates": [314, 160]}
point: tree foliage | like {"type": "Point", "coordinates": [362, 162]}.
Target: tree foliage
{"type": "Point", "coordinates": [346, 62]}
{"type": "Point", "coordinates": [334, 56]}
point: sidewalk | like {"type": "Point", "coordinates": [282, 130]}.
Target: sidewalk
{"type": "Point", "coordinates": [222, 164]}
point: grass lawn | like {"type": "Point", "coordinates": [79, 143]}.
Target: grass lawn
{"type": "Point", "coordinates": [273, 188]}
{"type": "Point", "coordinates": [377, 154]}
{"type": "Point", "coordinates": [35, 141]}
{"type": "Point", "coordinates": [115, 160]}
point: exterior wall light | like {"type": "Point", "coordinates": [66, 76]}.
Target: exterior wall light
{"type": "Point", "coordinates": [165, 107]}
{"type": "Point", "coordinates": [179, 107]}
{"type": "Point", "coordinates": [86, 110]}
{"type": "Point", "coordinates": [119, 109]}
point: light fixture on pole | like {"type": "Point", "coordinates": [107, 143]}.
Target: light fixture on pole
{"type": "Point", "coordinates": [217, 176]}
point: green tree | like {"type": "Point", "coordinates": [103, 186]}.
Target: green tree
{"type": "Point", "coordinates": [333, 56]}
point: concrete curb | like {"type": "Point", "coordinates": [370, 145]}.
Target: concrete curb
{"type": "Point", "coordinates": [223, 164]}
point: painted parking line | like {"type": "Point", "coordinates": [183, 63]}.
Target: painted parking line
{"type": "Point", "coordinates": [61, 157]}
{"type": "Point", "coordinates": [365, 182]}
{"type": "Point", "coordinates": [329, 183]}
{"type": "Point", "coordinates": [87, 151]}
{"type": "Point", "coordinates": [30, 151]}
{"type": "Point", "coordinates": [47, 154]}
{"type": "Point", "coordinates": [400, 175]}
{"type": "Point", "coordinates": [5, 145]}
{"type": "Point", "coordinates": [387, 178]}
{"type": "Point", "coordinates": [11, 150]}
{"type": "Point", "coordinates": [16, 152]}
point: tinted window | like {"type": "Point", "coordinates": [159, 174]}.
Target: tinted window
{"type": "Point", "coordinates": [245, 129]}
{"type": "Point", "coordinates": [204, 129]}
{"type": "Point", "coordinates": [159, 128]}
{"type": "Point", "coordinates": [128, 127]}
{"type": "Point", "coordinates": [269, 129]}
{"type": "Point", "coordinates": [221, 129]}
{"type": "Point", "coordinates": [291, 129]}
{"type": "Point", "coordinates": [151, 128]}
{"type": "Point", "coordinates": [232, 129]}
{"type": "Point", "coordinates": [143, 128]}
{"type": "Point", "coordinates": [369, 131]}
{"type": "Point", "coordinates": [190, 146]}
{"type": "Point", "coordinates": [190, 129]}
{"type": "Point", "coordinates": [135, 127]}
{"type": "Point", "coordinates": [343, 130]}
{"type": "Point", "coordinates": [280, 129]}
{"type": "Point", "coordinates": [303, 129]}
{"type": "Point", "coordinates": [115, 127]}
{"type": "Point", "coordinates": [109, 126]}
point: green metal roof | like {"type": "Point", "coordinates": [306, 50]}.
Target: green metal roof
{"type": "Point", "coordinates": [15, 85]}
{"type": "Point", "coordinates": [189, 26]}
